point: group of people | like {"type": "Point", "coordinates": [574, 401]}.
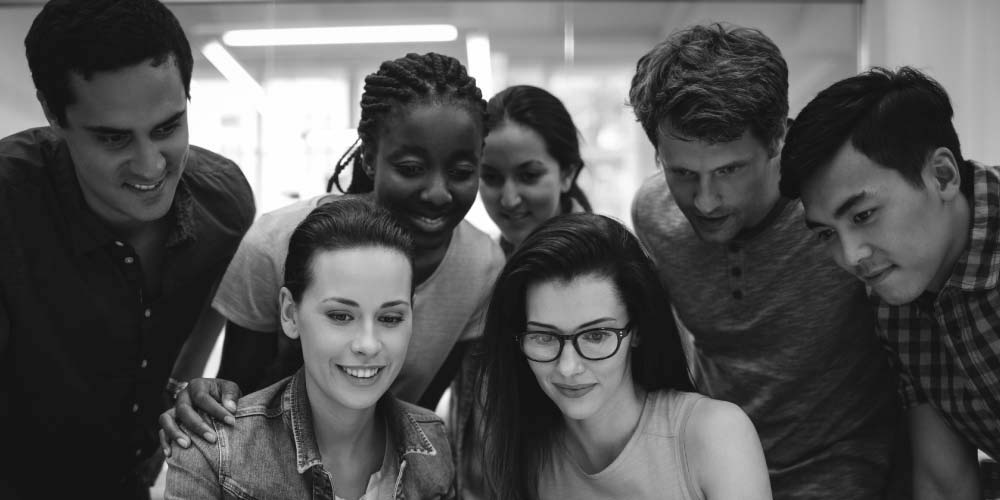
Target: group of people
{"type": "Point", "coordinates": [807, 308]}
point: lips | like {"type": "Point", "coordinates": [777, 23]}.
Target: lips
{"type": "Point", "coordinates": [874, 277]}
{"type": "Point", "coordinates": [515, 216]}
{"type": "Point", "coordinates": [429, 223]}
{"type": "Point", "coordinates": [574, 390]}
{"type": "Point", "coordinates": [362, 375]}
{"type": "Point", "coordinates": [144, 187]}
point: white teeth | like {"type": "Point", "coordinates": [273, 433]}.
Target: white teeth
{"type": "Point", "coordinates": [362, 372]}
{"type": "Point", "coordinates": [143, 187]}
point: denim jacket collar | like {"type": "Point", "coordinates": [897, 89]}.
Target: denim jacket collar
{"type": "Point", "coordinates": [404, 431]}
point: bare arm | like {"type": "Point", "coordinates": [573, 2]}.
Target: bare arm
{"type": "Point", "coordinates": [945, 466]}
{"type": "Point", "coordinates": [198, 347]}
{"type": "Point", "coordinates": [724, 453]}
{"type": "Point", "coordinates": [245, 355]}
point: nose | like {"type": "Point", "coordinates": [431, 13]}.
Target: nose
{"type": "Point", "coordinates": [707, 198]}
{"type": "Point", "coordinates": [148, 161]}
{"type": "Point", "coordinates": [569, 363]}
{"type": "Point", "coordinates": [509, 197]}
{"type": "Point", "coordinates": [436, 191]}
{"type": "Point", "coordinates": [853, 250]}
{"type": "Point", "coordinates": [365, 342]}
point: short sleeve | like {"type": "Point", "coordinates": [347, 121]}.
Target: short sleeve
{"type": "Point", "coordinates": [248, 292]}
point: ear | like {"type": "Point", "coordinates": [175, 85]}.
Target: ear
{"type": "Point", "coordinates": [49, 115]}
{"type": "Point", "coordinates": [289, 314]}
{"type": "Point", "coordinates": [568, 177]}
{"type": "Point", "coordinates": [942, 175]}
{"type": "Point", "coordinates": [366, 164]}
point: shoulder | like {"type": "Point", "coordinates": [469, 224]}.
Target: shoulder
{"type": "Point", "coordinates": [416, 413]}
{"type": "Point", "coordinates": [219, 185]}
{"type": "Point", "coordinates": [654, 212]}
{"type": "Point", "coordinates": [273, 229]}
{"type": "Point", "coordinates": [474, 248]}
{"type": "Point", "coordinates": [24, 155]}
{"type": "Point", "coordinates": [713, 421]}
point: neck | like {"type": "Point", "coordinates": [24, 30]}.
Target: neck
{"type": "Point", "coordinates": [960, 234]}
{"type": "Point", "coordinates": [344, 432]}
{"type": "Point", "coordinates": [427, 260]}
{"type": "Point", "coordinates": [597, 441]}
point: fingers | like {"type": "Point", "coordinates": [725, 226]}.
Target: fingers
{"type": "Point", "coordinates": [170, 431]}
{"type": "Point", "coordinates": [230, 393]}
{"type": "Point", "coordinates": [189, 416]}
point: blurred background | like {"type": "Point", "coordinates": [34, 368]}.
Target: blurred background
{"type": "Point", "coordinates": [286, 110]}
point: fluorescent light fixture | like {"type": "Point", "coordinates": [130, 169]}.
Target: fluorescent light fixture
{"type": "Point", "coordinates": [341, 35]}
{"type": "Point", "coordinates": [234, 72]}
{"type": "Point", "coordinates": [477, 48]}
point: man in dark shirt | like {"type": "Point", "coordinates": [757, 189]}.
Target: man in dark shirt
{"type": "Point", "coordinates": [113, 233]}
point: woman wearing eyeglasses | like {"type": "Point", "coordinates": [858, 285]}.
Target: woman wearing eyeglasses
{"type": "Point", "coordinates": [587, 390]}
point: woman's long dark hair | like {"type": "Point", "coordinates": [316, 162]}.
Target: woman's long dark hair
{"type": "Point", "coordinates": [520, 419]}
{"type": "Point", "coordinates": [546, 115]}
{"type": "Point", "coordinates": [398, 83]}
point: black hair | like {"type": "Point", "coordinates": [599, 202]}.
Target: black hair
{"type": "Point", "coordinates": [86, 37]}
{"type": "Point", "coordinates": [545, 114]}
{"type": "Point", "coordinates": [713, 83]}
{"type": "Point", "coordinates": [348, 222]}
{"type": "Point", "coordinates": [895, 118]}
{"type": "Point", "coordinates": [416, 78]}
{"type": "Point", "coordinates": [519, 418]}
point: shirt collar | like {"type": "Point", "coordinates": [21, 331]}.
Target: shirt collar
{"type": "Point", "coordinates": [979, 265]}
{"type": "Point", "coordinates": [404, 431]}
{"type": "Point", "coordinates": [86, 230]}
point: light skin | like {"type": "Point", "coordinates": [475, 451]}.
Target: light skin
{"type": "Point", "coordinates": [354, 320]}
{"type": "Point", "coordinates": [426, 171]}
{"type": "Point", "coordinates": [900, 239]}
{"type": "Point", "coordinates": [722, 188]}
{"type": "Point", "coordinates": [521, 183]}
{"type": "Point", "coordinates": [601, 405]}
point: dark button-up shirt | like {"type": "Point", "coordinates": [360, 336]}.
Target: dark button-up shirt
{"type": "Point", "coordinates": [947, 345]}
{"type": "Point", "coordinates": [84, 355]}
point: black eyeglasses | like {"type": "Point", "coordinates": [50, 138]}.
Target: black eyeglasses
{"type": "Point", "coordinates": [594, 344]}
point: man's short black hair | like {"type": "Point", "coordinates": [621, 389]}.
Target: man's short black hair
{"type": "Point", "coordinates": [895, 118]}
{"type": "Point", "coordinates": [89, 36]}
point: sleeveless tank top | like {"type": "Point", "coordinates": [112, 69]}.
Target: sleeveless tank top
{"type": "Point", "coordinates": [653, 464]}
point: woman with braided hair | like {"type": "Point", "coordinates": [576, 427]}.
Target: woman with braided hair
{"type": "Point", "coordinates": [418, 153]}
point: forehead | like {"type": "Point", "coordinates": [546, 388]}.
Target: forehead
{"type": "Point", "coordinates": [369, 271]}
{"type": "Point", "coordinates": [513, 140]}
{"type": "Point", "coordinates": [848, 173]}
{"type": "Point", "coordinates": [440, 126]}
{"type": "Point", "coordinates": [674, 149]}
{"type": "Point", "coordinates": [570, 303]}
{"type": "Point", "coordinates": [129, 97]}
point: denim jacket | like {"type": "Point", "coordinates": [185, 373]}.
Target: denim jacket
{"type": "Point", "coordinates": [271, 452]}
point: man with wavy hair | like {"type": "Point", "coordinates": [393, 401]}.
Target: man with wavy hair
{"type": "Point", "coordinates": [772, 325]}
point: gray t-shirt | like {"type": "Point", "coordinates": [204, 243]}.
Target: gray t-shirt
{"type": "Point", "coordinates": [774, 326]}
{"type": "Point", "coordinates": [448, 306]}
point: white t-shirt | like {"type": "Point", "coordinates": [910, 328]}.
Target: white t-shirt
{"type": "Point", "coordinates": [448, 306]}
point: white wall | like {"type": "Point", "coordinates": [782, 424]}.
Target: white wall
{"type": "Point", "coordinates": [18, 107]}
{"type": "Point", "coordinates": [956, 42]}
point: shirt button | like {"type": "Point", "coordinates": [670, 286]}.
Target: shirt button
{"type": "Point", "coordinates": [129, 260]}
{"type": "Point", "coordinates": [120, 244]}
{"type": "Point", "coordinates": [147, 313]}
{"type": "Point", "coordinates": [737, 294]}
{"type": "Point", "coordinates": [138, 452]}
{"type": "Point", "coordinates": [135, 408]}
{"type": "Point", "coordinates": [144, 363]}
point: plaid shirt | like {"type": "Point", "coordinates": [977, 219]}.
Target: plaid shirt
{"type": "Point", "coordinates": [947, 347]}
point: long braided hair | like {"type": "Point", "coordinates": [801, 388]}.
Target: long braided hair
{"type": "Point", "coordinates": [399, 83]}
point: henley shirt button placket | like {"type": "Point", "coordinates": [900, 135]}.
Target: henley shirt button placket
{"type": "Point", "coordinates": [129, 260]}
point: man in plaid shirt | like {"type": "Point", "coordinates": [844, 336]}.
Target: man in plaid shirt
{"type": "Point", "coordinates": [877, 163]}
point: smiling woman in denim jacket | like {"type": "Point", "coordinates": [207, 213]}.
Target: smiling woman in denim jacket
{"type": "Point", "coordinates": [331, 430]}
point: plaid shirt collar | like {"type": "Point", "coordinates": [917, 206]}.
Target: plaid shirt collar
{"type": "Point", "coordinates": [978, 267]}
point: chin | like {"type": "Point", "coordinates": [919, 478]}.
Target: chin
{"type": "Point", "coordinates": [898, 294]}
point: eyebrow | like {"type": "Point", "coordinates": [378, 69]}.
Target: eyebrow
{"type": "Point", "coordinates": [844, 207]}
{"type": "Point", "coordinates": [589, 323]}
{"type": "Point", "coordinates": [99, 129]}
{"type": "Point", "coordinates": [352, 303]}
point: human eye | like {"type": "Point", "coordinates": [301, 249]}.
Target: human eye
{"type": "Point", "coordinates": [409, 168]}
{"type": "Point", "coordinates": [728, 170]}
{"type": "Point", "coordinates": [682, 173]}
{"type": "Point", "coordinates": [392, 319]}
{"type": "Point", "coordinates": [825, 234]}
{"type": "Point", "coordinates": [863, 216]}
{"type": "Point", "coordinates": [340, 316]}
{"type": "Point", "coordinates": [166, 130]}
{"type": "Point", "coordinates": [539, 338]}
{"type": "Point", "coordinates": [113, 140]}
{"type": "Point", "coordinates": [528, 177]}
{"type": "Point", "coordinates": [491, 178]}
{"type": "Point", "coordinates": [595, 336]}
{"type": "Point", "coordinates": [462, 172]}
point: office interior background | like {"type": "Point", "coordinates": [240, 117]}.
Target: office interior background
{"type": "Point", "coordinates": [286, 113]}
